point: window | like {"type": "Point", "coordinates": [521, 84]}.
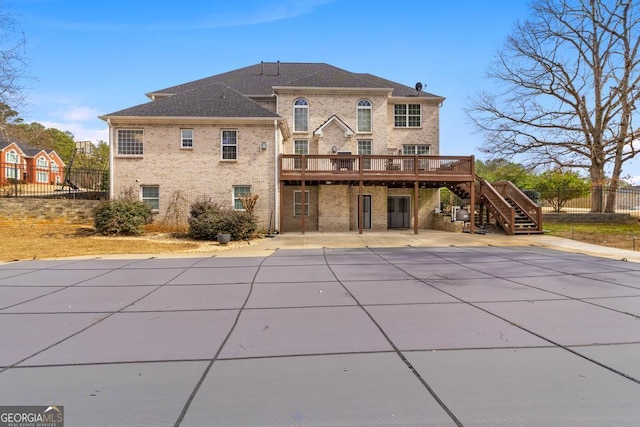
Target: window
{"type": "Point", "coordinates": [415, 150]}
{"type": "Point", "coordinates": [42, 175]}
{"type": "Point", "coordinates": [151, 196]}
{"type": "Point", "coordinates": [364, 116]}
{"type": "Point", "coordinates": [42, 162]}
{"type": "Point", "coordinates": [130, 142]}
{"type": "Point", "coordinates": [407, 115]}
{"type": "Point", "coordinates": [364, 148]}
{"type": "Point", "coordinates": [301, 115]}
{"type": "Point", "coordinates": [229, 145]}
{"type": "Point", "coordinates": [238, 192]}
{"type": "Point", "coordinates": [11, 171]}
{"type": "Point", "coordinates": [54, 167]}
{"type": "Point", "coordinates": [11, 156]}
{"type": "Point", "coordinates": [300, 146]}
{"type": "Point", "coordinates": [297, 203]}
{"type": "Point", "coordinates": [186, 138]}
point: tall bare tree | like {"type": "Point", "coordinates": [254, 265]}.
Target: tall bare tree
{"type": "Point", "coordinates": [569, 84]}
{"type": "Point", "coordinates": [12, 58]}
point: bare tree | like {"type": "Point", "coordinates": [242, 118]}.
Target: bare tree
{"type": "Point", "coordinates": [12, 58]}
{"type": "Point", "coordinates": [569, 81]}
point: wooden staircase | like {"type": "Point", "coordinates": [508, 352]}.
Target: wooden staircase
{"type": "Point", "coordinates": [509, 207]}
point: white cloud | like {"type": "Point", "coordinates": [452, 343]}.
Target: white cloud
{"type": "Point", "coordinates": [77, 114]}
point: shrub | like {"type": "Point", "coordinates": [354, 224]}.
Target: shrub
{"type": "Point", "coordinates": [122, 216]}
{"type": "Point", "coordinates": [208, 219]}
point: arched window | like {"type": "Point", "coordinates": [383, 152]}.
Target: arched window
{"type": "Point", "coordinates": [300, 115]}
{"type": "Point", "coordinates": [11, 156]}
{"type": "Point", "coordinates": [364, 116]}
{"type": "Point", "coordinates": [42, 162]}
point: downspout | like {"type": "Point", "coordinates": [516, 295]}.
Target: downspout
{"type": "Point", "coordinates": [276, 192]}
{"type": "Point", "coordinates": [111, 172]}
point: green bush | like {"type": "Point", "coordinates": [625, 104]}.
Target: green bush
{"type": "Point", "coordinates": [122, 216]}
{"type": "Point", "coordinates": [208, 219]}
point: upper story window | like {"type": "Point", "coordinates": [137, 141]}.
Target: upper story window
{"type": "Point", "coordinates": [130, 142]}
{"type": "Point", "coordinates": [364, 148]}
{"type": "Point", "coordinates": [301, 115]}
{"type": "Point", "coordinates": [364, 116]}
{"type": "Point", "coordinates": [42, 162]}
{"type": "Point", "coordinates": [415, 150]}
{"type": "Point", "coordinates": [407, 115]}
{"type": "Point", "coordinates": [229, 144]}
{"type": "Point", "coordinates": [186, 138]}
{"type": "Point", "coordinates": [54, 167]}
{"type": "Point", "coordinates": [301, 146]}
{"type": "Point", "coordinates": [12, 156]}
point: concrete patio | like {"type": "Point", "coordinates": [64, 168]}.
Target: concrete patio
{"type": "Point", "coordinates": [380, 329]}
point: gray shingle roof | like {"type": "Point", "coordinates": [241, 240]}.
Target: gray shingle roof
{"type": "Point", "coordinates": [259, 79]}
{"type": "Point", "coordinates": [227, 94]}
{"type": "Point", "coordinates": [209, 99]}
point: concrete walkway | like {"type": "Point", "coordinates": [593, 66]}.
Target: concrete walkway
{"type": "Point", "coordinates": [379, 329]}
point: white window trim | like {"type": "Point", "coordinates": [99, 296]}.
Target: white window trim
{"type": "Point", "coordinates": [302, 203]}
{"type": "Point", "coordinates": [144, 199]}
{"type": "Point", "coordinates": [296, 107]}
{"type": "Point", "coordinates": [370, 109]}
{"type": "Point", "coordinates": [183, 139]}
{"type": "Point", "coordinates": [234, 198]}
{"type": "Point", "coordinates": [222, 145]}
{"type": "Point", "coordinates": [118, 154]}
{"type": "Point", "coordinates": [406, 116]}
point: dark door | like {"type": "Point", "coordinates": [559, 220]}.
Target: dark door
{"type": "Point", "coordinates": [398, 212]}
{"type": "Point", "coordinates": [366, 212]}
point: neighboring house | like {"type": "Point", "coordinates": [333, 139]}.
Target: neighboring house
{"type": "Point", "coordinates": [21, 162]}
{"type": "Point", "coordinates": [324, 149]}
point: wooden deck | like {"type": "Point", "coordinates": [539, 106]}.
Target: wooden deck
{"type": "Point", "coordinates": [379, 169]}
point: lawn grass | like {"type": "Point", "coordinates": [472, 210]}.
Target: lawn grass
{"type": "Point", "coordinates": [621, 236]}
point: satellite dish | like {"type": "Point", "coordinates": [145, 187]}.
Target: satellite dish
{"type": "Point", "coordinates": [418, 86]}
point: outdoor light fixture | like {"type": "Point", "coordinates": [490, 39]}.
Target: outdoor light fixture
{"type": "Point", "coordinates": [334, 149]}
{"type": "Point", "coordinates": [263, 145]}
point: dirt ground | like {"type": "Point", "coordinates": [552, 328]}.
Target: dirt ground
{"type": "Point", "coordinates": [39, 241]}
{"type": "Point", "coordinates": [47, 240]}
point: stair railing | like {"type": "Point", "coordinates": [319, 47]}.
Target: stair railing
{"type": "Point", "coordinates": [509, 191]}
{"type": "Point", "coordinates": [504, 213]}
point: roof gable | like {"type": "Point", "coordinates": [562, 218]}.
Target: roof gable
{"type": "Point", "coordinates": [334, 120]}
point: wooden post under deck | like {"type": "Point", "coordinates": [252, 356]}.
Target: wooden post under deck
{"type": "Point", "coordinates": [302, 196]}
{"type": "Point", "coordinates": [472, 210]}
{"type": "Point", "coordinates": [416, 206]}
{"type": "Point", "coordinates": [360, 208]}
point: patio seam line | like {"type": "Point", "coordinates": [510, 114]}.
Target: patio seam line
{"type": "Point", "coordinates": [566, 348]}
{"type": "Point", "coordinates": [101, 319]}
{"type": "Point", "coordinates": [212, 361]}
{"type": "Point", "coordinates": [396, 350]}
{"type": "Point", "coordinates": [579, 275]}
{"type": "Point", "coordinates": [62, 288]}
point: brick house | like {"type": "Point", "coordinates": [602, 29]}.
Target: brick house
{"type": "Point", "coordinates": [325, 149]}
{"type": "Point", "coordinates": [22, 162]}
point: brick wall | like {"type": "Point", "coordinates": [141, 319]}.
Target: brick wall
{"type": "Point", "coordinates": [33, 211]}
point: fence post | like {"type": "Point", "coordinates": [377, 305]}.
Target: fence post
{"type": "Point", "coordinates": [15, 180]}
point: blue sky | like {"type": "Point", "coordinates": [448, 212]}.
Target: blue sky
{"type": "Point", "coordinates": [90, 58]}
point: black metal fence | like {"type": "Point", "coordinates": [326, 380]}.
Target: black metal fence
{"type": "Point", "coordinates": [587, 199]}
{"type": "Point", "coordinates": [39, 182]}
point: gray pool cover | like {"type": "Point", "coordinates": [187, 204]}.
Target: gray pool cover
{"type": "Point", "coordinates": [407, 336]}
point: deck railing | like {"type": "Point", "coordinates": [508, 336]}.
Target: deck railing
{"type": "Point", "coordinates": [312, 166]}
